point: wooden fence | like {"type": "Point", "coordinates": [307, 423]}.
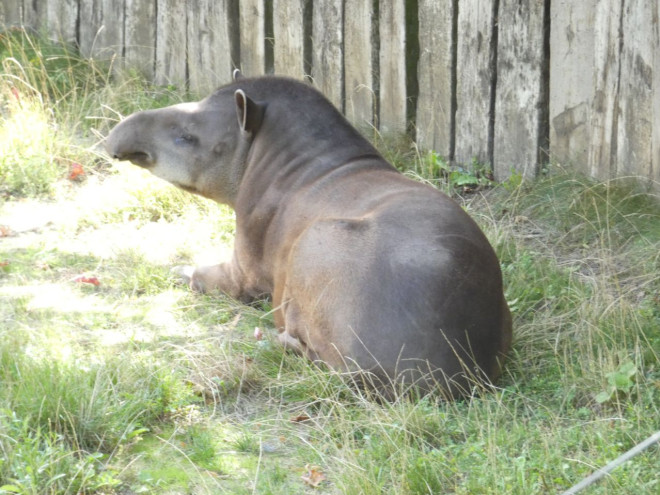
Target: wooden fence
{"type": "Point", "coordinates": [512, 83]}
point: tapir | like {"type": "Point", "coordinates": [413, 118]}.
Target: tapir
{"type": "Point", "coordinates": [370, 272]}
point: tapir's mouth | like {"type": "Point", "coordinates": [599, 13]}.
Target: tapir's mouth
{"type": "Point", "coordinates": [139, 158]}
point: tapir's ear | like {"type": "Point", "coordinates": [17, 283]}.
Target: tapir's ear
{"type": "Point", "coordinates": [249, 112]}
{"type": "Point", "coordinates": [236, 75]}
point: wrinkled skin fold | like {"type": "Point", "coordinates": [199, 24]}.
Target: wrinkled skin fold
{"type": "Point", "coordinates": [367, 269]}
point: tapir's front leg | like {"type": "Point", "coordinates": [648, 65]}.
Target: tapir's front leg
{"type": "Point", "coordinates": [225, 277]}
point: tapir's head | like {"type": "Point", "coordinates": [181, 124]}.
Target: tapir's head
{"type": "Point", "coordinates": [200, 147]}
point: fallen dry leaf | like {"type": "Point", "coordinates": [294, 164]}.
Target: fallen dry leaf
{"type": "Point", "coordinates": [5, 231]}
{"type": "Point", "coordinates": [313, 476]}
{"type": "Point", "coordinates": [300, 418]}
{"type": "Point", "coordinates": [82, 279]}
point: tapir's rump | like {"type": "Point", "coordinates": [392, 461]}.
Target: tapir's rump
{"type": "Point", "coordinates": [368, 270]}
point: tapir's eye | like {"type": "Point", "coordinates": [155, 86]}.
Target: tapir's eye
{"type": "Point", "coordinates": [185, 139]}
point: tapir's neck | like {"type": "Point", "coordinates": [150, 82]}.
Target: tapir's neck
{"type": "Point", "coordinates": [282, 160]}
{"type": "Point", "coordinates": [238, 167]}
{"type": "Point", "coordinates": [291, 155]}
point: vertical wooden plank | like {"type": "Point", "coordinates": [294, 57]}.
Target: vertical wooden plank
{"type": "Point", "coordinates": [327, 50]}
{"type": "Point", "coordinates": [252, 28]}
{"type": "Point", "coordinates": [209, 50]}
{"type": "Point", "coordinates": [519, 97]}
{"type": "Point", "coordinates": [140, 36]}
{"type": "Point", "coordinates": [288, 29]}
{"type": "Point", "coordinates": [474, 77]}
{"type": "Point", "coordinates": [10, 13]}
{"type": "Point", "coordinates": [655, 42]}
{"type": "Point", "coordinates": [604, 112]}
{"type": "Point", "coordinates": [358, 63]}
{"type": "Point", "coordinates": [101, 36]}
{"type": "Point", "coordinates": [571, 81]}
{"type": "Point", "coordinates": [392, 77]}
{"type": "Point", "coordinates": [434, 119]}
{"type": "Point", "coordinates": [89, 26]}
{"type": "Point", "coordinates": [111, 36]}
{"type": "Point", "coordinates": [61, 20]}
{"type": "Point", "coordinates": [171, 50]}
{"type": "Point", "coordinates": [34, 14]}
{"type": "Point", "coordinates": [635, 124]}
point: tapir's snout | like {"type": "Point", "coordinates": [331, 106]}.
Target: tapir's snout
{"type": "Point", "coordinates": [124, 143]}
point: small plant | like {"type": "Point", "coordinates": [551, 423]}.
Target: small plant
{"type": "Point", "coordinates": [247, 443]}
{"type": "Point", "coordinates": [514, 181]}
{"type": "Point", "coordinates": [620, 382]}
{"type": "Point", "coordinates": [199, 443]}
{"type": "Point", "coordinates": [466, 180]}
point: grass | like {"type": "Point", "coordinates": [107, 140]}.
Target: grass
{"type": "Point", "coordinates": [136, 385]}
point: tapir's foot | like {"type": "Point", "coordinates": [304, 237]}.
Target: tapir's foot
{"type": "Point", "coordinates": [208, 279]}
{"type": "Point", "coordinates": [185, 275]}
{"type": "Point", "coordinates": [289, 342]}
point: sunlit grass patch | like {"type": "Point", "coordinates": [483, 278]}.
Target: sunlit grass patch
{"type": "Point", "coordinates": [131, 194]}
{"type": "Point", "coordinates": [30, 158]}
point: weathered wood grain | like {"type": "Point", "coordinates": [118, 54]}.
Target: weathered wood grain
{"type": "Point", "coordinates": [479, 73]}
{"type": "Point", "coordinates": [252, 28]}
{"type": "Point", "coordinates": [209, 48]}
{"type": "Point", "coordinates": [10, 13]}
{"type": "Point", "coordinates": [34, 14]}
{"type": "Point", "coordinates": [61, 20]}
{"type": "Point", "coordinates": [288, 30]}
{"type": "Point", "coordinates": [474, 78]}
{"type": "Point", "coordinates": [635, 123]}
{"type": "Point", "coordinates": [655, 159]}
{"type": "Point", "coordinates": [171, 50]}
{"type": "Point", "coordinates": [571, 75]}
{"type": "Point", "coordinates": [358, 62]}
{"type": "Point", "coordinates": [101, 33]}
{"type": "Point", "coordinates": [434, 118]}
{"type": "Point", "coordinates": [392, 67]}
{"type": "Point", "coordinates": [519, 125]}
{"type": "Point", "coordinates": [140, 36]}
{"type": "Point", "coordinates": [327, 54]}
{"type": "Point", "coordinates": [604, 112]}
